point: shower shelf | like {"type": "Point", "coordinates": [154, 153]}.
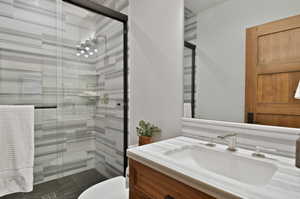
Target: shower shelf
{"type": "Point", "coordinates": [82, 95]}
{"type": "Point", "coordinates": [85, 95]}
{"type": "Point", "coordinates": [89, 93]}
{"type": "Point", "coordinates": [90, 97]}
{"type": "Point", "coordinates": [89, 74]}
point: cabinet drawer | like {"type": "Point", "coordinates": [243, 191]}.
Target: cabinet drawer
{"type": "Point", "coordinates": [155, 185]}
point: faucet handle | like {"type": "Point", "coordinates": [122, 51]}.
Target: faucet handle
{"type": "Point", "coordinates": [258, 152]}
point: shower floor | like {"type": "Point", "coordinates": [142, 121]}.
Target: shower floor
{"type": "Point", "coordinates": [69, 187]}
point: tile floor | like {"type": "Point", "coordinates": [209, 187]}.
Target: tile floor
{"type": "Point", "coordinates": [69, 187]}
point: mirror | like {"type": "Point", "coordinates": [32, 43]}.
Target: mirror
{"type": "Point", "coordinates": [247, 61]}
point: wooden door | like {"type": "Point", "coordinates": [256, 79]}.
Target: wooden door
{"type": "Point", "coordinates": [273, 73]}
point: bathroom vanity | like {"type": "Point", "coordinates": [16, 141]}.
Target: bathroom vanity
{"type": "Point", "coordinates": [185, 168]}
{"type": "Point", "coordinates": [148, 183]}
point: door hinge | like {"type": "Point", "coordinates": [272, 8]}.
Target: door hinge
{"type": "Point", "coordinates": [250, 118]}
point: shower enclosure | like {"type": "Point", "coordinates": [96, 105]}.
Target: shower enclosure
{"type": "Point", "coordinates": [68, 59]}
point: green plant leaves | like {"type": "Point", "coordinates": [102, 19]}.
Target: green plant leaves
{"type": "Point", "coordinates": [147, 129]}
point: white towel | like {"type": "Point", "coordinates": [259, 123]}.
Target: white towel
{"type": "Point", "coordinates": [16, 149]}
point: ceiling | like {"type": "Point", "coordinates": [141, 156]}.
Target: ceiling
{"type": "Point", "coordinates": [200, 5]}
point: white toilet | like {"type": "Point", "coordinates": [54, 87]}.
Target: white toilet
{"type": "Point", "coordinates": [114, 188]}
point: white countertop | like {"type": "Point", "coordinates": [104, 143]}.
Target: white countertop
{"type": "Point", "coordinates": [285, 184]}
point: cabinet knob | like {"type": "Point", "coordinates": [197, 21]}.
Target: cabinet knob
{"type": "Point", "coordinates": [169, 197]}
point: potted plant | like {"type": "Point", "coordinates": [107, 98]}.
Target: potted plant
{"type": "Point", "coordinates": [145, 131]}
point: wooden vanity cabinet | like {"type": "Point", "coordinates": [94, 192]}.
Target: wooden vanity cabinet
{"type": "Point", "coordinates": [147, 183]}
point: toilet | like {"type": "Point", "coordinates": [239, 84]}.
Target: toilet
{"type": "Point", "coordinates": [114, 188]}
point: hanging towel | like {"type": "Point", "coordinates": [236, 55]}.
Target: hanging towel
{"type": "Point", "coordinates": [16, 149]}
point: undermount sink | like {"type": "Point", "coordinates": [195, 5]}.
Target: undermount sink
{"type": "Point", "coordinates": [245, 170]}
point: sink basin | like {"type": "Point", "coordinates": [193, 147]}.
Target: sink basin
{"type": "Point", "coordinates": [245, 170]}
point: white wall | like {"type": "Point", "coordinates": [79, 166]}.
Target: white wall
{"type": "Point", "coordinates": [156, 59]}
{"type": "Point", "coordinates": [221, 53]}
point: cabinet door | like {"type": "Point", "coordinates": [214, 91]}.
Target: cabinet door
{"type": "Point", "coordinates": [147, 183]}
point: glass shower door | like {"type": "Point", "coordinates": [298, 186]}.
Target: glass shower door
{"type": "Point", "coordinates": [93, 91]}
{"type": "Point", "coordinates": [111, 143]}
{"type": "Point", "coordinates": [77, 104]}
{"type": "Point", "coordinates": [28, 76]}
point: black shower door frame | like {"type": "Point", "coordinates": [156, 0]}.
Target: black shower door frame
{"type": "Point", "coordinates": [107, 12]}
{"type": "Point", "coordinates": [193, 48]}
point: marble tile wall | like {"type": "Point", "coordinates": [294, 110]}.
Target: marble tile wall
{"type": "Point", "coordinates": [282, 140]}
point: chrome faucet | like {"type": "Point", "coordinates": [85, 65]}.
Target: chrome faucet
{"type": "Point", "coordinates": [232, 141]}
